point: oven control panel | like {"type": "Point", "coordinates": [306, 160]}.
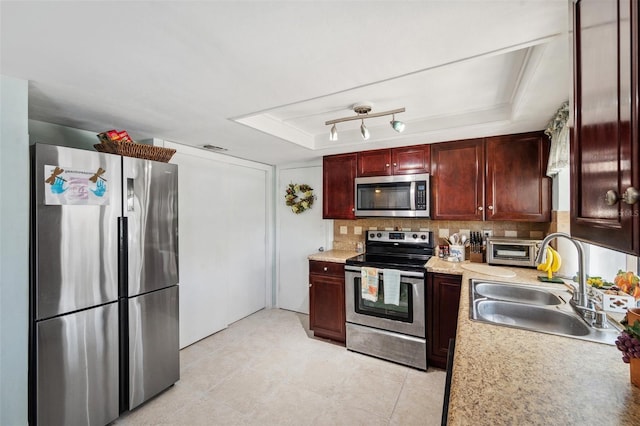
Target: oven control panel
{"type": "Point", "coordinates": [420, 237]}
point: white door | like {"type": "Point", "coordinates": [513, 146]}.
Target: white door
{"type": "Point", "coordinates": [299, 235]}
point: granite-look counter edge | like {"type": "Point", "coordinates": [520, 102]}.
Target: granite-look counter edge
{"type": "Point", "coordinates": [509, 376]}
{"type": "Point", "coordinates": [337, 256]}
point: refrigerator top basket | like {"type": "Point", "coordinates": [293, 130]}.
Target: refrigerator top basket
{"type": "Point", "coordinates": [137, 150]}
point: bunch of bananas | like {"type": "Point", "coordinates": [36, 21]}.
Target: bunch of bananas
{"type": "Point", "coordinates": [552, 264]}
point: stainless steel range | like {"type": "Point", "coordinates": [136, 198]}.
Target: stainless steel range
{"type": "Point", "coordinates": [386, 316]}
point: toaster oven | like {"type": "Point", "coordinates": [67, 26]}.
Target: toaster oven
{"type": "Point", "coordinates": [512, 251]}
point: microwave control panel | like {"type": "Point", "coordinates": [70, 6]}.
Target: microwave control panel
{"type": "Point", "coordinates": [421, 195]}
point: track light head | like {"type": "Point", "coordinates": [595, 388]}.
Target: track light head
{"type": "Point", "coordinates": [363, 112]}
{"type": "Point", "coordinates": [364, 131]}
{"type": "Point", "coordinates": [333, 134]}
{"type": "Point", "coordinates": [398, 126]}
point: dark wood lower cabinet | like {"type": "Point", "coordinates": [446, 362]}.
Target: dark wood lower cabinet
{"type": "Point", "coordinates": [326, 300]}
{"type": "Point", "coordinates": [443, 300]}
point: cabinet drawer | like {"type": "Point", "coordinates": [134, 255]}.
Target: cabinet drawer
{"type": "Point", "coordinates": [327, 268]}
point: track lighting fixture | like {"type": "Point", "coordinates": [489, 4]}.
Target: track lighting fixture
{"type": "Point", "coordinates": [398, 126]}
{"type": "Point", "coordinates": [364, 131]}
{"type": "Point", "coordinates": [362, 110]}
{"type": "Point", "coordinates": [333, 135]}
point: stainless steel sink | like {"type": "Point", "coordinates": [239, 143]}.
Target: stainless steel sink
{"type": "Point", "coordinates": [535, 309]}
{"type": "Point", "coordinates": [516, 293]}
{"type": "Point", "coordinates": [530, 317]}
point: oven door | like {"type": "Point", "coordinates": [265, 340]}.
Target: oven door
{"type": "Point", "coordinates": [408, 317]}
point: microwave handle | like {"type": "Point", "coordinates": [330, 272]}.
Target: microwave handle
{"type": "Point", "coordinates": [412, 195]}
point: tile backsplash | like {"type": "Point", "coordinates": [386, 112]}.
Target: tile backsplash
{"type": "Point", "coordinates": [347, 233]}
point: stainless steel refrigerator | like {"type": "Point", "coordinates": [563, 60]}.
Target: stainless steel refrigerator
{"type": "Point", "coordinates": [103, 293]}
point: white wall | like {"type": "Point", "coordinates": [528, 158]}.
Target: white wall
{"type": "Point", "coordinates": [14, 250]}
{"type": "Point", "coordinates": [225, 228]}
{"type": "Point", "coordinates": [298, 235]}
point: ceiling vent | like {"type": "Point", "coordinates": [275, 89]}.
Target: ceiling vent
{"type": "Point", "coordinates": [214, 148]}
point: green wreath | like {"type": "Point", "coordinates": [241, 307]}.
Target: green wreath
{"type": "Point", "coordinates": [302, 204]}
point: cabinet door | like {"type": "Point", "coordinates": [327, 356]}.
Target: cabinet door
{"type": "Point", "coordinates": [326, 306]}
{"type": "Point", "coordinates": [516, 185]}
{"type": "Point", "coordinates": [338, 196]}
{"type": "Point", "coordinates": [374, 163]}
{"type": "Point", "coordinates": [443, 299]}
{"type": "Point", "coordinates": [411, 160]}
{"type": "Point", "coordinates": [457, 180]}
{"type": "Point", "coordinates": [605, 148]}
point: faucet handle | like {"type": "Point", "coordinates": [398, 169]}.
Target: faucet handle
{"type": "Point", "coordinates": [601, 319]}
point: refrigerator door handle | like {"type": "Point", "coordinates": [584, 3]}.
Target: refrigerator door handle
{"type": "Point", "coordinates": [130, 194]}
{"type": "Point", "coordinates": [123, 254]}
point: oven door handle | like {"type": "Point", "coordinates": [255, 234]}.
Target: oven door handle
{"type": "Point", "coordinates": [410, 274]}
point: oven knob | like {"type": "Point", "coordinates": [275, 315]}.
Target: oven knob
{"type": "Point", "coordinates": [379, 234]}
{"type": "Point", "coordinates": [423, 236]}
{"type": "Point", "coordinates": [371, 235]}
{"type": "Point", "coordinates": [415, 236]}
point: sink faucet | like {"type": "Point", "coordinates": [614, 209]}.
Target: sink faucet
{"type": "Point", "coordinates": [580, 300]}
{"type": "Point", "coordinates": [580, 297]}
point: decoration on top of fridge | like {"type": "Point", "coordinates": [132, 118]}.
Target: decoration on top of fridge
{"type": "Point", "coordinates": [68, 186]}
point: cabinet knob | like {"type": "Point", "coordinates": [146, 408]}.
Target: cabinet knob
{"type": "Point", "coordinates": [480, 208]}
{"type": "Point", "coordinates": [631, 195]}
{"type": "Point", "coordinates": [611, 197]}
{"type": "Point", "coordinates": [490, 207]}
{"type": "Point", "coordinates": [325, 269]}
{"type": "Point", "coordinates": [386, 165]}
{"type": "Point", "coordinates": [395, 164]}
{"type": "Point", "coordinates": [310, 284]}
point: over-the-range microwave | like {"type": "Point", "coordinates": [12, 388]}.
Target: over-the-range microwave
{"type": "Point", "coordinates": [392, 196]}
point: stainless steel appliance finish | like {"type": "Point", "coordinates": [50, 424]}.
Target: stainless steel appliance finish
{"type": "Point", "coordinates": [414, 281]}
{"type": "Point", "coordinates": [77, 367]}
{"type": "Point", "coordinates": [512, 251]}
{"type": "Point", "coordinates": [151, 209]}
{"type": "Point", "coordinates": [74, 292]}
{"type": "Point", "coordinates": [393, 332]}
{"type": "Point", "coordinates": [85, 251]}
{"type": "Point", "coordinates": [387, 345]}
{"type": "Point", "coordinates": [75, 244]}
{"type": "Point", "coordinates": [392, 196]}
{"type": "Point", "coordinates": [154, 362]}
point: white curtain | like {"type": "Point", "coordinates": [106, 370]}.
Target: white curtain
{"type": "Point", "coordinates": [558, 131]}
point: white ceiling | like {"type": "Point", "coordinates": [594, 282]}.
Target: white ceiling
{"type": "Point", "coordinates": [261, 78]}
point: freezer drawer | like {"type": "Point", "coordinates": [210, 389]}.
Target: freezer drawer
{"type": "Point", "coordinates": [151, 208]}
{"type": "Point", "coordinates": [154, 359]}
{"type": "Point", "coordinates": [77, 368]}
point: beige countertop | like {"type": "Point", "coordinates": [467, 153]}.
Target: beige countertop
{"type": "Point", "coordinates": [337, 256]}
{"type": "Point", "coordinates": [506, 376]}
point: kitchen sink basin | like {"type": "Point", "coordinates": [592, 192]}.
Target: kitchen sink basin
{"type": "Point", "coordinates": [535, 309]}
{"type": "Point", "coordinates": [530, 317]}
{"type": "Point", "coordinates": [516, 293]}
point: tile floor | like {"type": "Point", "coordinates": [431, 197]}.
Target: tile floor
{"type": "Point", "coordinates": [266, 370]}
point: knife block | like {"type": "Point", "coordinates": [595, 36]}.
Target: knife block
{"type": "Point", "coordinates": [477, 257]}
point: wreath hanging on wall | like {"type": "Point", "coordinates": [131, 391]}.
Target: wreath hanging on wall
{"type": "Point", "coordinates": [298, 205]}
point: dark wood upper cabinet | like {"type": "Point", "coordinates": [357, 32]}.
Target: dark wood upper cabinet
{"type": "Point", "coordinates": [605, 155]}
{"type": "Point", "coordinates": [498, 178]}
{"type": "Point", "coordinates": [516, 185]}
{"type": "Point", "coordinates": [457, 180]}
{"type": "Point", "coordinates": [411, 160]}
{"type": "Point", "coordinates": [374, 163]}
{"type": "Point", "coordinates": [338, 196]}
{"type": "Point", "coordinates": [397, 161]}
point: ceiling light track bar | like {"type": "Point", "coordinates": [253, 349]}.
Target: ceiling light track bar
{"type": "Point", "coordinates": [362, 116]}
